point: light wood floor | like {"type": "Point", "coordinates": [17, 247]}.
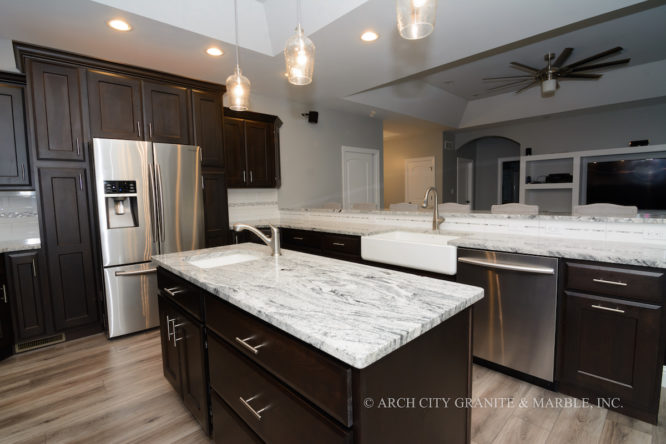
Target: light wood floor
{"type": "Point", "coordinates": [97, 391]}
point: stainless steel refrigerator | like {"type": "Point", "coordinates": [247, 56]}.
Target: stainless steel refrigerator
{"type": "Point", "coordinates": [149, 201]}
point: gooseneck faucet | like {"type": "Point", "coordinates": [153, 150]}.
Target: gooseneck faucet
{"type": "Point", "coordinates": [436, 220]}
{"type": "Point", "coordinates": [273, 241]}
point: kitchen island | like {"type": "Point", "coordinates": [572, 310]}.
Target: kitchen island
{"type": "Point", "coordinates": [316, 348]}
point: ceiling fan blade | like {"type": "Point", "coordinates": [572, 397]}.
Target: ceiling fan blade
{"type": "Point", "coordinates": [580, 76]}
{"type": "Point", "coordinates": [600, 65]}
{"type": "Point", "coordinates": [527, 76]}
{"type": "Point", "coordinates": [527, 86]}
{"type": "Point", "coordinates": [594, 57]}
{"type": "Point", "coordinates": [564, 55]}
{"type": "Point", "coordinates": [508, 84]}
{"type": "Point", "coordinates": [525, 67]}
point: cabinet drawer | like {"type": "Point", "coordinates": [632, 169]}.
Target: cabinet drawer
{"type": "Point", "coordinates": [271, 410]}
{"type": "Point", "coordinates": [341, 244]}
{"type": "Point", "coordinates": [227, 426]}
{"type": "Point", "coordinates": [188, 296]}
{"type": "Point", "coordinates": [319, 378]}
{"type": "Point", "coordinates": [621, 281]}
{"type": "Point", "coordinates": [301, 240]}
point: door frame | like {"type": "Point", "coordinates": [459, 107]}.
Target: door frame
{"type": "Point", "coordinates": [375, 166]}
{"type": "Point", "coordinates": [470, 179]}
{"type": "Point", "coordinates": [500, 163]}
{"type": "Point", "coordinates": [432, 166]}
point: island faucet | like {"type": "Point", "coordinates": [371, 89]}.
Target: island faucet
{"type": "Point", "coordinates": [273, 241]}
{"type": "Point", "coordinates": [436, 220]}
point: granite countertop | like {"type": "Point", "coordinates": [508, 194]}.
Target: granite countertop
{"type": "Point", "coordinates": [7, 246]}
{"type": "Point", "coordinates": [353, 312]}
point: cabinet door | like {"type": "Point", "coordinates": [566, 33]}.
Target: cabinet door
{"type": "Point", "coordinates": [56, 98]}
{"type": "Point", "coordinates": [67, 236]}
{"type": "Point", "coordinates": [216, 211]}
{"type": "Point", "coordinates": [25, 295]}
{"type": "Point", "coordinates": [170, 364]}
{"type": "Point", "coordinates": [13, 146]}
{"type": "Point", "coordinates": [207, 112]}
{"type": "Point", "coordinates": [234, 152]}
{"type": "Point", "coordinates": [115, 106]}
{"type": "Point", "coordinates": [6, 332]}
{"type": "Point", "coordinates": [612, 347]}
{"type": "Point", "coordinates": [189, 338]}
{"type": "Point", "coordinates": [166, 113]}
{"type": "Point", "coordinates": [260, 158]}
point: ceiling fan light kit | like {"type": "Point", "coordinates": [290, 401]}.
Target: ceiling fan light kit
{"type": "Point", "coordinates": [416, 18]}
{"type": "Point", "coordinates": [299, 55]}
{"type": "Point", "coordinates": [550, 75]}
{"type": "Point", "coordinates": [238, 86]}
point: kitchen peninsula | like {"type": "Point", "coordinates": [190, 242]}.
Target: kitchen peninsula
{"type": "Point", "coordinates": [327, 349]}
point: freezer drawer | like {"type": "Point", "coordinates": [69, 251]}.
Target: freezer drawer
{"type": "Point", "coordinates": [131, 298]}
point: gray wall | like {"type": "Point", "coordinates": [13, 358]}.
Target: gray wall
{"type": "Point", "coordinates": [310, 154]}
{"type": "Point", "coordinates": [600, 129]}
{"type": "Point", "coordinates": [7, 62]}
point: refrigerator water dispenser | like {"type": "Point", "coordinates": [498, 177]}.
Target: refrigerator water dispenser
{"type": "Point", "coordinates": [121, 204]}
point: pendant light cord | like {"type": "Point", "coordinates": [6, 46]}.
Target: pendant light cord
{"type": "Point", "coordinates": [298, 14]}
{"type": "Point", "coordinates": [236, 19]}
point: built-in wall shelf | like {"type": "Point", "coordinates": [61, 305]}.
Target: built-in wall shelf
{"type": "Point", "coordinates": [562, 197]}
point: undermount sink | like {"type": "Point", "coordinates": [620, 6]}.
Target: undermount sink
{"type": "Point", "coordinates": [422, 251]}
{"type": "Point", "coordinates": [221, 261]}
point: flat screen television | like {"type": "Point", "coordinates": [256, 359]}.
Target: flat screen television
{"type": "Point", "coordinates": [639, 182]}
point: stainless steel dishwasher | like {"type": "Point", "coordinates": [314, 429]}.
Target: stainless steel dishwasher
{"type": "Point", "coordinates": [515, 322]}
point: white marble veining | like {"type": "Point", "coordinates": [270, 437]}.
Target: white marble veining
{"type": "Point", "coordinates": [354, 312]}
{"type": "Point", "coordinates": [7, 246]}
{"type": "Point", "coordinates": [19, 225]}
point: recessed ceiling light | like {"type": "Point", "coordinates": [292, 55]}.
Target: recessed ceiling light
{"type": "Point", "coordinates": [119, 25]}
{"type": "Point", "coordinates": [214, 51]}
{"type": "Point", "coordinates": [369, 36]}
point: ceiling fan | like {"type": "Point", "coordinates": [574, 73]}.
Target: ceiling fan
{"type": "Point", "coordinates": [549, 75]}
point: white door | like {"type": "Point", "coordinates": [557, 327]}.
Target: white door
{"type": "Point", "coordinates": [419, 176]}
{"type": "Point", "coordinates": [360, 176]}
{"type": "Point", "coordinates": [465, 180]}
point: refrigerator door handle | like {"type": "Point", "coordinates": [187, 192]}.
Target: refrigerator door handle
{"type": "Point", "coordinates": [153, 203]}
{"type": "Point", "coordinates": [161, 200]}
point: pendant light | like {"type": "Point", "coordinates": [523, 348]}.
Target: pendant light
{"type": "Point", "coordinates": [238, 86]}
{"type": "Point", "coordinates": [299, 55]}
{"type": "Point", "coordinates": [416, 18]}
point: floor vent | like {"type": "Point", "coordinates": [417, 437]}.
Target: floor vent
{"type": "Point", "coordinates": [38, 343]}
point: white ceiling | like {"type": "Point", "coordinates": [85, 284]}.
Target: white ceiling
{"type": "Point", "coordinates": [392, 76]}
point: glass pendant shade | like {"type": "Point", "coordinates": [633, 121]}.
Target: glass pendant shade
{"type": "Point", "coordinates": [299, 54]}
{"type": "Point", "coordinates": [238, 88]}
{"type": "Point", "coordinates": [416, 18]}
{"type": "Point", "coordinates": [548, 87]}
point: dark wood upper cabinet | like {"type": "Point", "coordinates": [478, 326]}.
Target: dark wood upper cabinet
{"type": "Point", "coordinates": [56, 103]}
{"type": "Point", "coordinates": [251, 149]}
{"type": "Point", "coordinates": [24, 293]}
{"type": "Point", "coordinates": [115, 106]}
{"type": "Point", "coordinates": [67, 234]}
{"type": "Point", "coordinates": [216, 210]}
{"type": "Point", "coordinates": [166, 113]}
{"type": "Point", "coordinates": [207, 113]}
{"type": "Point", "coordinates": [13, 145]}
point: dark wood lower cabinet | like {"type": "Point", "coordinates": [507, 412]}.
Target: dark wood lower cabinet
{"type": "Point", "coordinates": [24, 293]}
{"type": "Point", "coordinates": [183, 358]}
{"type": "Point", "coordinates": [228, 428]}
{"type": "Point", "coordinates": [6, 331]}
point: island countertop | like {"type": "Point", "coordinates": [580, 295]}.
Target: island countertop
{"type": "Point", "coordinates": [353, 312]}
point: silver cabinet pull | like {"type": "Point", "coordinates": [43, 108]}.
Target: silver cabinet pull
{"type": "Point", "coordinates": [169, 332]}
{"type": "Point", "coordinates": [34, 269]}
{"type": "Point", "coordinates": [4, 293]}
{"type": "Point", "coordinates": [138, 127]}
{"type": "Point", "coordinates": [173, 291]}
{"type": "Point", "coordinates": [202, 183]}
{"type": "Point", "coordinates": [246, 403]}
{"type": "Point", "coordinates": [137, 272]}
{"type": "Point", "coordinates": [501, 266]}
{"type": "Point", "coordinates": [174, 326]}
{"type": "Point", "coordinates": [297, 238]}
{"type": "Point", "coordinates": [244, 343]}
{"type": "Point", "coordinates": [244, 176]}
{"type": "Point", "coordinates": [80, 181]}
{"type": "Point", "coordinates": [601, 307]}
{"type": "Point", "coordinates": [604, 281]}
{"type": "Point", "coordinates": [150, 130]}
{"type": "Point", "coordinates": [78, 147]}
{"type": "Point", "coordinates": [251, 179]}
{"type": "Point", "coordinates": [339, 244]}
{"type": "Point", "coordinates": [23, 171]}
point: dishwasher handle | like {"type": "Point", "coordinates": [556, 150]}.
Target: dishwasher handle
{"type": "Point", "coordinates": [512, 267]}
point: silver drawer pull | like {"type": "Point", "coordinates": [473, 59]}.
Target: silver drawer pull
{"type": "Point", "coordinates": [4, 293]}
{"type": "Point", "coordinates": [173, 291]}
{"type": "Point", "coordinates": [601, 307]}
{"type": "Point", "coordinates": [137, 272]}
{"type": "Point", "coordinates": [339, 244]}
{"type": "Point", "coordinates": [297, 238]}
{"type": "Point", "coordinates": [169, 332]}
{"type": "Point", "coordinates": [604, 281]}
{"type": "Point", "coordinates": [244, 343]}
{"type": "Point", "coordinates": [246, 403]}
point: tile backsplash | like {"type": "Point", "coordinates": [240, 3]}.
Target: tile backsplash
{"type": "Point", "coordinates": [18, 215]}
